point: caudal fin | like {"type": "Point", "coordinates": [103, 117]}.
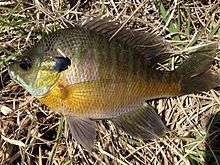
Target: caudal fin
{"type": "Point", "coordinates": [196, 73]}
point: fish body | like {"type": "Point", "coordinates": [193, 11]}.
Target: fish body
{"type": "Point", "coordinates": [85, 74]}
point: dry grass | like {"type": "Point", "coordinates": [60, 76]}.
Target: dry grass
{"type": "Point", "coordinates": [30, 134]}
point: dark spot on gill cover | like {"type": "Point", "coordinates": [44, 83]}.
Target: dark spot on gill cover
{"type": "Point", "coordinates": [62, 63]}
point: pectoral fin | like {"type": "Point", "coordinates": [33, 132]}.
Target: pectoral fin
{"type": "Point", "coordinates": [143, 123]}
{"type": "Point", "coordinates": [83, 131]}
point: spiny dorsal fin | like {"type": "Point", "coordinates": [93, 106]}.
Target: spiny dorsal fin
{"type": "Point", "coordinates": [148, 45]}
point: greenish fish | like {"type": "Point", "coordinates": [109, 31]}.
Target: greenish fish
{"type": "Point", "coordinates": [88, 75]}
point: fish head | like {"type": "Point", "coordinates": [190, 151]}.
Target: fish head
{"type": "Point", "coordinates": [38, 70]}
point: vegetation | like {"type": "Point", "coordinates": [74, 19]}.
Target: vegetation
{"type": "Point", "coordinates": [31, 134]}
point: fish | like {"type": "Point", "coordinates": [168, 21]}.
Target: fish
{"type": "Point", "coordinates": [97, 70]}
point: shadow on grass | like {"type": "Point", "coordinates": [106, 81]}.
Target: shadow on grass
{"type": "Point", "coordinates": [212, 154]}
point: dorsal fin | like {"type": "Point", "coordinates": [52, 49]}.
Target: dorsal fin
{"type": "Point", "coordinates": [148, 45]}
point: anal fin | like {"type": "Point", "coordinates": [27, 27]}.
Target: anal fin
{"type": "Point", "coordinates": [143, 123]}
{"type": "Point", "coordinates": [83, 131]}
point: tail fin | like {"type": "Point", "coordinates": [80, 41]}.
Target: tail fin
{"type": "Point", "coordinates": [196, 73]}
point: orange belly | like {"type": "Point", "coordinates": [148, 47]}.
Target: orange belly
{"type": "Point", "coordinates": [98, 97]}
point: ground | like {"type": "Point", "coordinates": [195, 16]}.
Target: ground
{"type": "Point", "coordinates": [31, 134]}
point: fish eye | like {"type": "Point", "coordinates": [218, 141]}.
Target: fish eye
{"type": "Point", "coordinates": [61, 63]}
{"type": "Point", "coordinates": [25, 64]}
